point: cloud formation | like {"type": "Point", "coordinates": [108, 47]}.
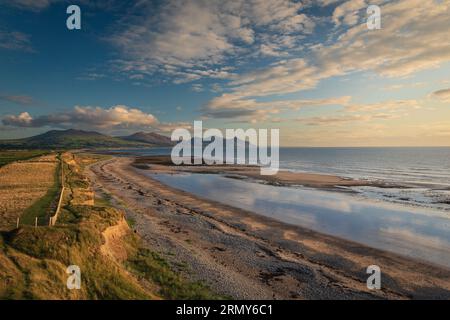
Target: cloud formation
{"type": "Point", "coordinates": [187, 38]}
{"type": "Point", "coordinates": [33, 5]}
{"type": "Point", "coordinates": [317, 121]}
{"type": "Point", "coordinates": [257, 59]}
{"type": "Point", "coordinates": [414, 37]}
{"type": "Point", "coordinates": [229, 106]}
{"type": "Point", "coordinates": [348, 12]}
{"type": "Point", "coordinates": [443, 95]}
{"type": "Point", "coordinates": [15, 40]}
{"type": "Point", "coordinates": [116, 117]}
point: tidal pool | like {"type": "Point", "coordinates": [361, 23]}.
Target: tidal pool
{"type": "Point", "coordinates": [415, 232]}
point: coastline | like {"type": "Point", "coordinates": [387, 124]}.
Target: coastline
{"type": "Point", "coordinates": [163, 164]}
{"type": "Point", "coordinates": [249, 256]}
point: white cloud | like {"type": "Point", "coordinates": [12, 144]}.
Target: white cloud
{"type": "Point", "coordinates": [22, 120]}
{"type": "Point", "coordinates": [270, 50]}
{"type": "Point", "coordinates": [348, 12]}
{"type": "Point", "coordinates": [295, 23]}
{"type": "Point", "coordinates": [197, 34]}
{"type": "Point", "coordinates": [116, 117]}
{"type": "Point", "coordinates": [33, 5]}
{"type": "Point", "coordinates": [414, 37]}
{"type": "Point", "coordinates": [230, 106]}
{"type": "Point", "coordinates": [197, 87]}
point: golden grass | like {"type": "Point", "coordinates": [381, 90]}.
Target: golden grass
{"type": "Point", "coordinates": [21, 184]}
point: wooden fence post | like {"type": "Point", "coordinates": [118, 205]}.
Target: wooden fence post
{"type": "Point", "coordinates": [18, 220]}
{"type": "Point", "coordinates": [35, 222]}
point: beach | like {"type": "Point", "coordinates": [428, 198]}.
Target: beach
{"type": "Point", "coordinates": [245, 255]}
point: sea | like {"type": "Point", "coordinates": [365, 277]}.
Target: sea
{"type": "Point", "coordinates": [416, 176]}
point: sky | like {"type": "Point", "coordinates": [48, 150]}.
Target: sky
{"type": "Point", "coordinates": [312, 69]}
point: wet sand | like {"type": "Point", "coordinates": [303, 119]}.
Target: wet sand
{"type": "Point", "coordinates": [247, 256]}
{"type": "Point", "coordinates": [282, 178]}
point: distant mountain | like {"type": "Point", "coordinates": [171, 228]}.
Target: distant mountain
{"type": "Point", "coordinates": [70, 139]}
{"type": "Point", "coordinates": [79, 139]}
{"type": "Point", "coordinates": [224, 142]}
{"type": "Point", "coordinates": [234, 141]}
{"type": "Point", "coordinates": [150, 137]}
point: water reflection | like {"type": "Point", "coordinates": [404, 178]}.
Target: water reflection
{"type": "Point", "coordinates": [419, 233]}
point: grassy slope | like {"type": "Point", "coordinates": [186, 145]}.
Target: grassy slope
{"type": "Point", "coordinates": [44, 207]}
{"type": "Point", "coordinates": [33, 260]}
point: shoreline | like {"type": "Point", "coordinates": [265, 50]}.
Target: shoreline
{"type": "Point", "coordinates": [249, 256]}
{"type": "Point", "coordinates": [288, 178]}
{"type": "Point", "coordinates": [282, 178]}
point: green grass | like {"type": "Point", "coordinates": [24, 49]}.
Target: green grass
{"type": "Point", "coordinates": [11, 156]}
{"type": "Point", "coordinates": [171, 285]}
{"type": "Point", "coordinates": [41, 256]}
{"type": "Point", "coordinates": [45, 206]}
{"type": "Point", "coordinates": [103, 200]}
{"type": "Point", "coordinates": [131, 222]}
{"type": "Point", "coordinates": [45, 252]}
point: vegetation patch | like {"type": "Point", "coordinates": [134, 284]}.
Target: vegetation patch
{"type": "Point", "coordinates": [171, 285]}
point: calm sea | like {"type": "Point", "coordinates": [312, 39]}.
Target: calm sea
{"type": "Point", "coordinates": [423, 174]}
{"type": "Point", "coordinates": [419, 176]}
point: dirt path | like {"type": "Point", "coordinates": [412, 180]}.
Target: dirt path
{"type": "Point", "coordinates": [247, 256]}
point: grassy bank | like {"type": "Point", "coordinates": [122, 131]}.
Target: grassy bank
{"type": "Point", "coordinates": [113, 261]}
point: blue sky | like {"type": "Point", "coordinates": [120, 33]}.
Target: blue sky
{"type": "Point", "coordinates": [310, 68]}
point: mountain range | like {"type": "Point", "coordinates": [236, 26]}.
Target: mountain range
{"type": "Point", "coordinates": [79, 139]}
{"type": "Point", "coordinates": [149, 137]}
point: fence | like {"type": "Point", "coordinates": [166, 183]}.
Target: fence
{"type": "Point", "coordinates": [53, 218]}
